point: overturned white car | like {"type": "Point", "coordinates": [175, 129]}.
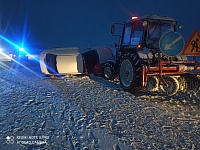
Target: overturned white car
{"type": "Point", "coordinates": [62, 61]}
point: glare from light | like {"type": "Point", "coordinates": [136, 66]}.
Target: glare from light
{"type": "Point", "coordinates": [10, 42]}
{"type": "Point", "coordinates": [1, 49]}
{"type": "Point", "coordinates": [9, 57]}
{"type": "Point", "coordinates": [134, 18]}
{"type": "Point", "coordinates": [21, 49]}
{"type": "Point", "coordinates": [139, 46]}
{"type": "Point", "coordinates": [18, 48]}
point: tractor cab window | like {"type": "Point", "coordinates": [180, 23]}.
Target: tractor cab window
{"type": "Point", "coordinates": [133, 33]}
{"type": "Point", "coordinates": [127, 34]}
{"type": "Point", "coordinates": [137, 33]}
{"type": "Point", "coordinates": [156, 30]}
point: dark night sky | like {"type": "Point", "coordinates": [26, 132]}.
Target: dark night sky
{"type": "Point", "coordinates": [66, 23]}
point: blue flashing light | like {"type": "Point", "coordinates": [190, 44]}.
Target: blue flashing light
{"type": "Point", "coordinates": [21, 49]}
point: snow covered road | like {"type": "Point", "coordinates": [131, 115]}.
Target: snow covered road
{"type": "Point", "coordinates": [82, 112]}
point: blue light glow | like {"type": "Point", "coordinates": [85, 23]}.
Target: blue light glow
{"type": "Point", "coordinates": [21, 49]}
{"type": "Point", "coordinates": [10, 42]}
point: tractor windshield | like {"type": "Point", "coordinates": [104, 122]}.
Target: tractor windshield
{"type": "Point", "coordinates": [156, 30]}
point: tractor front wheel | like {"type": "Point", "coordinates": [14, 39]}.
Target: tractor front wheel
{"type": "Point", "coordinates": [109, 71]}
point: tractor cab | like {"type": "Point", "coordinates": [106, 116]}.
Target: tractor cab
{"type": "Point", "coordinates": [142, 35]}
{"type": "Point", "coordinates": [146, 31]}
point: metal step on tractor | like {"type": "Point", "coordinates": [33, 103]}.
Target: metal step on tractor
{"type": "Point", "coordinates": [152, 54]}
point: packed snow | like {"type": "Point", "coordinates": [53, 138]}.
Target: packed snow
{"type": "Point", "coordinates": [88, 112]}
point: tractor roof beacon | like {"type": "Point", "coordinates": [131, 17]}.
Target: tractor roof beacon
{"type": "Point", "coordinates": [148, 55]}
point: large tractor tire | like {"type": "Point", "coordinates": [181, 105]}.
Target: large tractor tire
{"type": "Point", "coordinates": [152, 84]}
{"type": "Point", "coordinates": [172, 86]}
{"type": "Point", "coordinates": [109, 71]}
{"type": "Point", "coordinates": [130, 72]}
{"type": "Point", "coordinates": [192, 83]}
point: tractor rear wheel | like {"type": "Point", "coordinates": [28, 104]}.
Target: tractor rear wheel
{"type": "Point", "coordinates": [172, 86]}
{"type": "Point", "coordinates": [130, 72]}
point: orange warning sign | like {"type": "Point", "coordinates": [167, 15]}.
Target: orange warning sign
{"type": "Point", "coordinates": [192, 48]}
